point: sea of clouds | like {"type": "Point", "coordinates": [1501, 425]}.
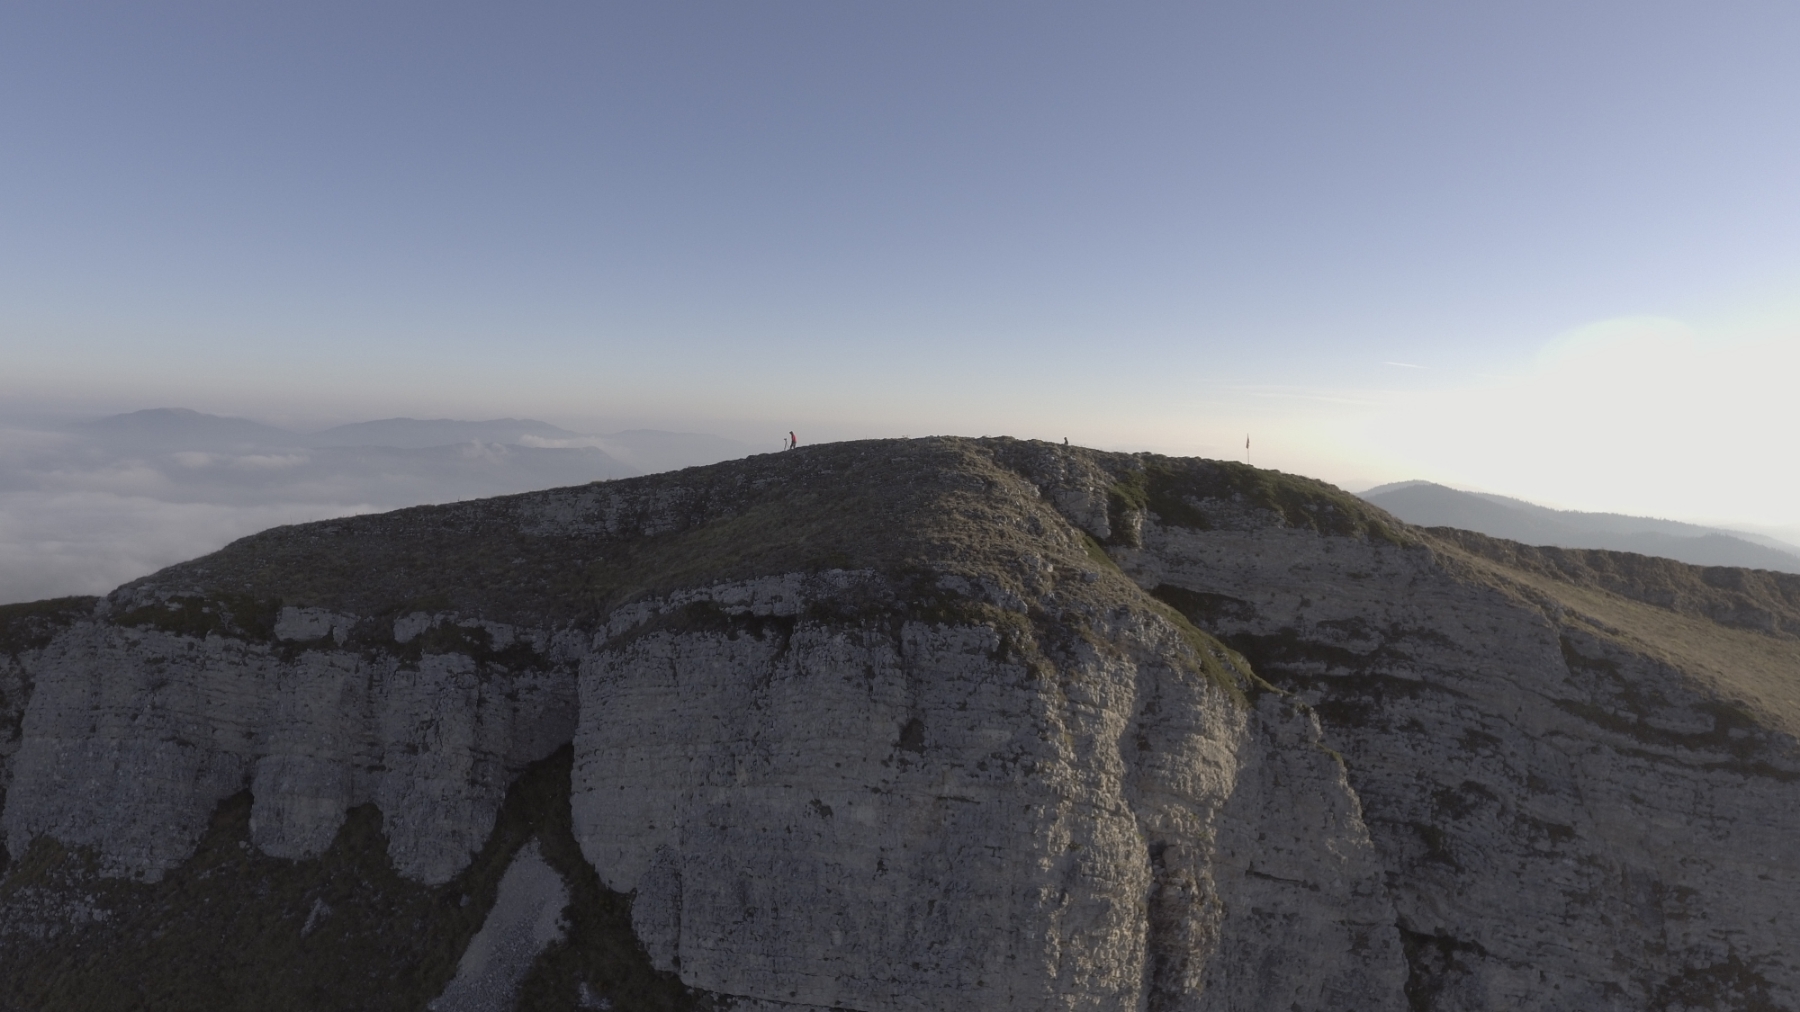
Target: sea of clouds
{"type": "Point", "coordinates": [87, 506]}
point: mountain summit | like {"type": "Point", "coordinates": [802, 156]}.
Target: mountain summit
{"type": "Point", "coordinates": [905, 724]}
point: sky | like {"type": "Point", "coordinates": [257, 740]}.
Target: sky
{"type": "Point", "coordinates": [1542, 249]}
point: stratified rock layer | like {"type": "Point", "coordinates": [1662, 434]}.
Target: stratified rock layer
{"type": "Point", "coordinates": [939, 724]}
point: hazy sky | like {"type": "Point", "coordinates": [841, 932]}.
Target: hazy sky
{"type": "Point", "coordinates": [1548, 249]}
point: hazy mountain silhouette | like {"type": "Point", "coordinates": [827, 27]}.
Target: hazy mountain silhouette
{"type": "Point", "coordinates": [182, 429]}
{"type": "Point", "coordinates": [1431, 505]}
{"type": "Point", "coordinates": [415, 433]}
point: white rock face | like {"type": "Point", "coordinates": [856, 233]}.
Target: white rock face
{"type": "Point", "coordinates": [134, 736]}
{"type": "Point", "coordinates": [1308, 923]}
{"type": "Point", "coordinates": [882, 818]}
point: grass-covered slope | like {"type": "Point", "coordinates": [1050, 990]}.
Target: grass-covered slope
{"type": "Point", "coordinates": [571, 555]}
{"type": "Point", "coordinates": [1735, 630]}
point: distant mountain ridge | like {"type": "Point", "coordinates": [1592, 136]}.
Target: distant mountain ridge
{"type": "Point", "coordinates": [184, 429]}
{"type": "Point", "coordinates": [416, 433]}
{"type": "Point", "coordinates": [1427, 504]}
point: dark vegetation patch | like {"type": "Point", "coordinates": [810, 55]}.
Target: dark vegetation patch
{"type": "Point", "coordinates": [32, 625]}
{"type": "Point", "coordinates": [1129, 497]}
{"type": "Point", "coordinates": [1223, 666]}
{"type": "Point", "coordinates": [1205, 609]}
{"type": "Point", "coordinates": [884, 608]}
{"type": "Point", "coordinates": [700, 617]}
{"type": "Point", "coordinates": [1463, 800]}
{"type": "Point", "coordinates": [471, 641]}
{"type": "Point", "coordinates": [912, 736]}
{"type": "Point", "coordinates": [234, 929]}
{"type": "Point", "coordinates": [1631, 702]}
{"type": "Point", "coordinates": [1435, 967]}
{"type": "Point", "coordinates": [1351, 685]}
{"type": "Point", "coordinates": [1729, 986]}
{"type": "Point", "coordinates": [1177, 490]}
{"type": "Point", "coordinates": [241, 616]}
{"type": "Point", "coordinates": [1297, 658]}
{"type": "Point", "coordinates": [1438, 845]}
{"type": "Point", "coordinates": [1349, 689]}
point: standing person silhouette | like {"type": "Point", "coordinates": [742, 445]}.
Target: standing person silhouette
{"type": "Point", "coordinates": [793, 440]}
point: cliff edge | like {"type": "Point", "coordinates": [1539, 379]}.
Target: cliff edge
{"type": "Point", "coordinates": [904, 724]}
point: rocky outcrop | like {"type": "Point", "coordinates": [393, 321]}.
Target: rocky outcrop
{"type": "Point", "coordinates": [945, 724]}
{"type": "Point", "coordinates": [135, 734]}
{"type": "Point", "coordinates": [1567, 819]}
{"type": "Point", "coordinates": [901, 814]}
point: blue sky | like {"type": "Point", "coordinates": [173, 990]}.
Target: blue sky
{"type": "Point", "coordinates": [1370, 233]}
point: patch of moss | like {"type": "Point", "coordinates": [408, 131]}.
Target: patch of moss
{"type": "Point", "coordinates": [1129, 494]}
{"type": "Point", "coordinates": [1096, 552]}
{"type": "Point", "coordinates": [1731, 983]}
{"type": "Point", "coordinates": [1735, 732]}
{"type": "Point", "coordinates": [241, 616]}
{"type": "Point", "coordinates": [1176, 489]}
{"type": "Point", "coordinates": [1225, 667]}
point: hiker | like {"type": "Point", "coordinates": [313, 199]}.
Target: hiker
{"type": "Point", "coordinates": [793, 441]}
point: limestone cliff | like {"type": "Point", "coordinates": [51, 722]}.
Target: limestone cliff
{"type": "Point", "coordinates": [907, 724]}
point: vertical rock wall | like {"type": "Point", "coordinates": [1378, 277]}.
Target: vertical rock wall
{"type": "Point", "coordinates": [133, 736]}
{"type": "Point", "coordinates": [922, 816]}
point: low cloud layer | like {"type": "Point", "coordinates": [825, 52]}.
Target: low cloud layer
{"type": "Point", "coordinates": [54, 544]}
{"type": "Point", "coordinates": [86, 507]}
